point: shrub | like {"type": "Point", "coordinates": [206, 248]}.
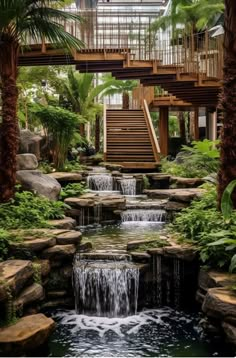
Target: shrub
{"type": "Point", "coordinates": [29, 211]}
{"type": "Point", "coordinates": [198, 161]}
{"type": "Point", "coordinates": [202, 225]}
{"type": "Point", "coordinates": [60, 126]}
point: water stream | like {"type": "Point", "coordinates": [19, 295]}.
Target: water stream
{"type": "Point", "coordinates": [100, 182]}
{"type": "Point", "coordinates": [106, 288]}
{"type": "Point", "coordinates": [128, 186]}
{"type": "Point", "coordinates": [145, 215]}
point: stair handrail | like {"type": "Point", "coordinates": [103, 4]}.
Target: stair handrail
{"type": "Point", "coordinates": [104, 131]}
{"type": "Point", "coordinates": [152, 134]}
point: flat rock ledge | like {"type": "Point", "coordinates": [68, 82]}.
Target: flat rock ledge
{"type": "Point", "coordinates": [177, 195]}
{"type": "Point", "coordinates": [220, 303]}
{"type": "Point", "coordinates": [66, 223]}
{"type": "Point", "coordinates": [211, 279]}
{"type": "Point", "coordinates": [180, 182]}
{"type": "Point", "coordinates": [90, 200]}
{"type": "Point", "coordinates": [62, 177]}
{"type": "Point", "coordinates": [27, 334]}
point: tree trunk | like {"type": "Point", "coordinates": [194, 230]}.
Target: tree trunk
{"type": "Point", "coordinates": [82, 130]}
{"type": "Point", "coordinates": [97, 134]}
{"type": "Point", "coordinates": [227, 170]}
{"type": "Point", "coordinates": [125, 100]}
{"type": "Point", "coordinates": [9, 135]}
{"type": "Point", "coordinates": [182, 129]}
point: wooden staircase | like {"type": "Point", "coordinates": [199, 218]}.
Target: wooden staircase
{"type": "Point", "coordinates": [129, 139]}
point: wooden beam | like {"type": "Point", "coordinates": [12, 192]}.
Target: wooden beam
{"type": "Point", "coordinates": [164, 130]}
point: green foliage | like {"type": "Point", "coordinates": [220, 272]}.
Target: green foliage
{"type": "Point", "coordinates": [158, 243]}
{"type": "Point", "coordinates": [73, 190]}
{"type": "Point", "coordinates": [146, 183]}
{"type": "Point", "coordinates": [202, 225]}
{"type": "Point", "coordinates": [5, 237]}
{"type": "Point", "coordinates": [197, 161]}
{"type": "Point", "coordinates": [192, 14]}
{"type": "Point", "coordinates": [37, 273]}
{"type": "Point", "coordinates": [46, 167]}
{"type": "Point", "coordinates": [60, 126]}
{"type": "Point", "coordinates": [72, 166]}
{"type": "Point", "coordinates": [226, 201]}
{"type": "Point", "coordinates": [29, 211]}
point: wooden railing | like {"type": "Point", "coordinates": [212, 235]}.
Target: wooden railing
{"type": "Point", "coordinates": [152, 134]}
{"type": "Point", "coordinates": [194, 53]}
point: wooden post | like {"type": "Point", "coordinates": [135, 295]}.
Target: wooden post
{"type": "Point", "coordinates": [164, 130]}
{"type": "Point", "coordinates": [196, 125]}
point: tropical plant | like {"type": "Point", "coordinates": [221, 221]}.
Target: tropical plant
{"type": "Point", "coordinates": [19, 20]}
{"type": "Point", "coordinates": [78, 93]}
{"type": "Point", "coordinates": [202, 225]}
{"type": "Point", "coordinates": [28, 210]}
{"type": "Point", "coordinates": [198, 160]}
{"type": "Point", "coordinates": [60, 126]}
{"type": "Point", "coordinates": [123, 87]}
{"type": "Point", "coordinates": [189, 16]}
{"type": "Point", "coordinates": [227, 171]}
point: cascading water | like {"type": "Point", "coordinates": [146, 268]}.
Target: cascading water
{"type": "Point", "coordinates": [128, 186]}
{"type": "Point", "coordinates": [143, 215]}
{"type": "Point", "coordinates": [106, 288]}
{"type": "Point", "coordinates": [100, 182]}
{"type": "Point", "coordinates": [177, 282]}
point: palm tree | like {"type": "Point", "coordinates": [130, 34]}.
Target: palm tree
{"type": "Point", "coordinates": [19, 19]}
{"type": "Point", "coordinates": [80, 93]}
{"type": "Point", "coordinates": [189, 15]}
{"type": "Point", "coordinates": [227, 170]}
{"type": "Point", "coordinates": [120, 86]}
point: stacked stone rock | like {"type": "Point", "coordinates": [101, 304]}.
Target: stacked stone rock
{"type": "Point", "coordinates": [218, 302]}
{"type": "Point", "coordinates": [43, 281]}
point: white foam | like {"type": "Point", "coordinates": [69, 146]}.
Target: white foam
{"type": "Point", "coordinates": [102, 325]}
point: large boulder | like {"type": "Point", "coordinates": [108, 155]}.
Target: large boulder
{"type": "Point", "coordinates": [27, 334]}
{"type": "Point", "coordinates": [30, 143]}
{"type": "Point", "coordinates": [14, 275]}
{"type": "Point", "coordinates": [26, 162]}
{"type": "Point", "coordinates": [42, 184]}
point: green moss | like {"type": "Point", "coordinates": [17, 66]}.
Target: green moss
{"type": "Point", "coordinates": [159, 243]}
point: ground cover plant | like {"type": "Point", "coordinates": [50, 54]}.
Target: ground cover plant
{"type": "Point", "coordinates": [73, 190]}
{"type": "Point", "coordinates": [206, 228]}
{"type": "Point", "coordinates": [28, 210]}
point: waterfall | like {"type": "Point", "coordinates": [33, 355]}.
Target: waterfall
{"type": "Point", "coordinates": [128, 186]}
{"type": "Point", "coordinates": [100, 182]}
{"type": "Point", "coordinates": [177, 282]}
{"type": "Point", "coordinates": [157, 275]}
{"type": "Point", "coordinates": [106, 288]}
{"type": "Point", "coordinates": [143, 215]}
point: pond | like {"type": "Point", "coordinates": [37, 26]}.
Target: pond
{"type": "Point", "coordinates": [151, 333]}
{"type": "Point", "coordinates": [116, 237]}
